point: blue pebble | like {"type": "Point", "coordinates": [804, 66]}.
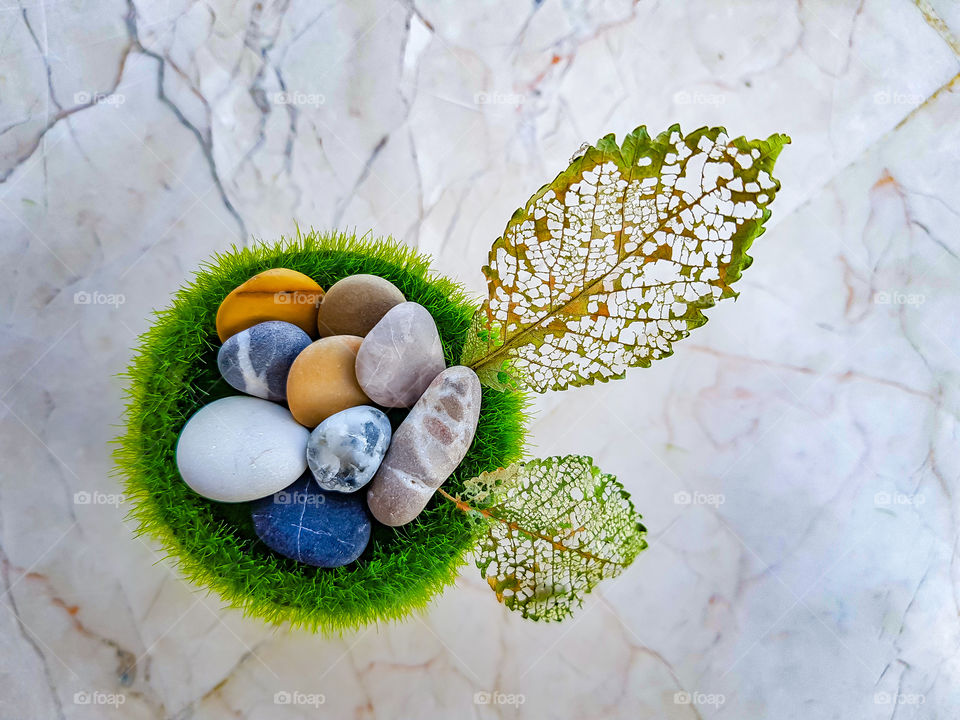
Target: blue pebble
{"type": "Point", "coordinates": [311, 526]}
{"type": "Point", "coordinates": [345, 450]}
{"type": "Point", "coordinates": [257, 360]}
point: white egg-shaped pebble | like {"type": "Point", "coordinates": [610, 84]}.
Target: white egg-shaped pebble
{"type": "Point", "coordinates": [241, 448]}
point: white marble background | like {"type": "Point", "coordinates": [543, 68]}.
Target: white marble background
{"type": "Point", "coordinates": [812, 424]}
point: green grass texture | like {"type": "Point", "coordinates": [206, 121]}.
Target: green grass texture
{"type": "Point", "coordinates": [174, 373]}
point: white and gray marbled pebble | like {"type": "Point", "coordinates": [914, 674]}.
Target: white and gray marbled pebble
{"type": "Point", "coordinates": [400, 356]}
{"type": "Point", "coordinates": [241, 448]}
{"type": "Point", "coordinates": [345, 450]}
{"type": "Point", "coordinates": [427, 447]}
{"type": "Point", "coordinates": [257, 360]}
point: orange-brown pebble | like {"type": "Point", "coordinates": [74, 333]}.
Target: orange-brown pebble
{"type": "Point", "coordinates": [276, 294]}
{"type": "Point", "coordinates": [322, 380]}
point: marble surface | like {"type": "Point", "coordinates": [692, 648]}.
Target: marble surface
{"type": "Point", "coordinates": [796, 459]}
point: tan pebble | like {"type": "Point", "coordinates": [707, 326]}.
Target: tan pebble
{"type": "Point", "coordinates": [353, 305]}
{"type": "Point", "coordinates": [276, 294]}
{"type": "Point", "coordinates": [322, 380]}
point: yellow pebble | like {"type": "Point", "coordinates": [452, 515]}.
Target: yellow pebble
{"type": "Point", "coordinates": [276, 294]}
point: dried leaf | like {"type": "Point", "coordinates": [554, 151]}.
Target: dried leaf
{"type": "Point", "coordinates": [556, 527]}
{"type": "Point", "coordinates": [615, 260]}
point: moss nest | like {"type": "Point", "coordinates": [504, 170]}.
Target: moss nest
{"type": "Point", "coordinates": [174, 372]}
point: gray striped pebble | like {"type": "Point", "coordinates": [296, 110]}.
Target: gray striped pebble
{"type": "Point", "coordinates": [257, 360]}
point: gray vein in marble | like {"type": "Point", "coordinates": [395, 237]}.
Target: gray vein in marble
{"type": "Point", "coordinates": [203, 140]}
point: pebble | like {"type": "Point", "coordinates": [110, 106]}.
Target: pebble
{"type": "Point", "coordinates": [256, 360]}
{"type": "Point", "coordinates": [427, 447]}
{"type": "Point", "coordinates": [241, 448]}
{"type": "Point", "coordinates": [322, 380]}
{"type": "Point", "coordinates": [353, 305]}
{"type": "Point", "coordinates": [400, 356]}
{"type": "Point", "coordinates": [345, 450]}
{"type": "Point", "coordinates": [311, 526]}
{"type": "Point", "coordinates": [276, 294]}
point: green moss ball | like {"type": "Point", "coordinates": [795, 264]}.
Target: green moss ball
{"type": "Point", "coordinates": [174, 373]}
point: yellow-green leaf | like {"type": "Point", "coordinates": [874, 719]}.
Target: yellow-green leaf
{"type": "Point", "coordinates": [556, 527]}
{"type": "Point", "coordinates": [616, 259]}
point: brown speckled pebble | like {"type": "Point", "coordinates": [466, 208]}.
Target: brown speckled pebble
{"type": "Point", "coordinates": [353, 305]}
{"type": "Point", "coordinates": [427, 447]}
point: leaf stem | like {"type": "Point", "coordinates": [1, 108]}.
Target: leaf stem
{"type": "Point", "coordinates": [464, 506]}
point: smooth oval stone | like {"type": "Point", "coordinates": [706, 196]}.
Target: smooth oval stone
{"type": "Point", "coordinates": [311, 526]}
{"type": "Point", "coordinates": [400, 356]}
{"type": "Point", "coordinates": [241, 448]}
{"type": "Point", "coordinates": [345, 450]}
{"type": "Point", "coordinates": [427, 447]}
{"type": "Point", "coordinates": [322, 380]}
{"type": "Point", "coordinates": [276, 294]}
{"type": "Point", "coordinates": [353, 305]}
{"type": "Point", "coordinates": [256, 360]}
